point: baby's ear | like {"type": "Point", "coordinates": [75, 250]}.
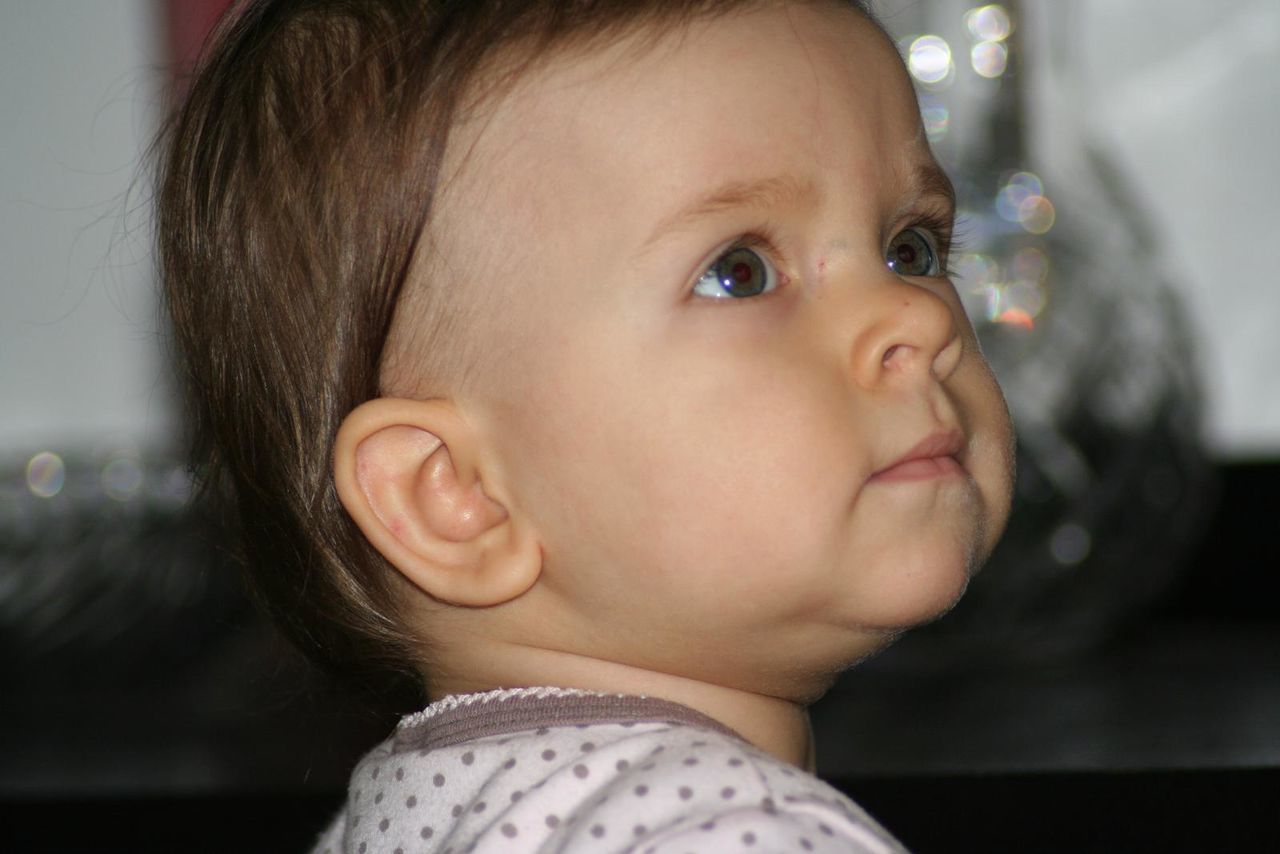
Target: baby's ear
{"type": "Point", "coordinates": [410, 473]}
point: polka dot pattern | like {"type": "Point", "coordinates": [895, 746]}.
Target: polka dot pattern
{"type": "Point", "coordinates": [577, 787]}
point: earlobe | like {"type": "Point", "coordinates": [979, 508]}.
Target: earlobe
{"type": "Point", "coordinates": [409, 474]}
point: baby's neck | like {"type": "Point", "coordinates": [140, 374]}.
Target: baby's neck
{"type": "Point", "coordinates": [778, 727]}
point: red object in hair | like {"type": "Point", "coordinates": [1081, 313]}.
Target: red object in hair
{"type": "Point", "coordinates": [187, 23]}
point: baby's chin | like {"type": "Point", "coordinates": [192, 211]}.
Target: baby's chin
{"type": "Point", "coordinates": [916, 594]}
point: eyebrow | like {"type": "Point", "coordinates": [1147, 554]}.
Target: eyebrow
{"type": "Point", "coordinates": [766, 193]}
{"type": "Point", "coordinates": [927, 180]}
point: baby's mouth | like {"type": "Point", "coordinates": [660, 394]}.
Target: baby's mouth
{"type": "Point", "coordinates": [935, 456]}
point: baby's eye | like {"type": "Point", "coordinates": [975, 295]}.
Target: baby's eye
{"type": "Point", "coordinates": [912, 253]}
{"type": "Point", "coordinates": [740, 272]}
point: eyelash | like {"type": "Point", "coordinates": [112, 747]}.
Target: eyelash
{"type": "Point", "coordinates": [763, 239]}
{"type": "Point", "coordinates": [946, 233]}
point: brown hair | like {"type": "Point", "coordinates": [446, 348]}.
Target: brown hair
{"type": "Point", "coordinates": [295, 183]}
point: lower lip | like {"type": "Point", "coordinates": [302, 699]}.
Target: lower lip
{"type": "Point", "coordinates": [928, 468]}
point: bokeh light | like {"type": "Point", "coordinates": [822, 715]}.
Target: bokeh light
{"type": "Point", "coordinates": [174, 487]}
{"type": "Point", "coordinates": [936, 117]}
{"type": "Point", "coordinates": [122, 478]}
{"type": "Point", "coordinates": [1029, 264]}
{"type": "Point", "coordinates": [988, 23]}
{"type": "Point", "coordinates": [1036, 214]}
{"type": "Point", "coordinates": [989, 59]}
{"type": "Point", "coordinates": [929, 61]}
{"type": "Point", "coordinates": [977, 277]}
{"type": "Point", "coordinates": [1017, 188]}
{"type": "Point", "coordinates": [1027, 298]}
{"type": "Point", "coordinates": [46, 474]}
{"type": "Point", "coordinates": [1070, 544]}
{"type": "Point", "coordinates": [1012, 294]}
{"type": "Point", "coordinates": [1017, 317]}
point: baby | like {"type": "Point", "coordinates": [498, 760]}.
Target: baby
{"type": "Point", "coordinates": [596, 361]}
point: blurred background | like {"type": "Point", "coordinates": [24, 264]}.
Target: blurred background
{"type": "Point", "coordinates": [1120, 656]}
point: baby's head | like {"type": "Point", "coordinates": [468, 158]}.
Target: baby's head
{"type": "Point", "coordinates": [602, 343]}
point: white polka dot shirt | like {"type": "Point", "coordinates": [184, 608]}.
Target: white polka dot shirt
{"type": "Point", "coordinates": [556, 770]}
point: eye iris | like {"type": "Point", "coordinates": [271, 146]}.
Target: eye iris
{"type": "Point", "coordinates": [910, 255]}
{"type": "Point", "coordinates": [741, 273]}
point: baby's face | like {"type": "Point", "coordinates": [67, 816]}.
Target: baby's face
{"type": "Point", "coordinates": [704, 376]}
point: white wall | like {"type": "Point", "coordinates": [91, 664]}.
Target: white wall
{"type": "Point", "coordinates": [1183, 96]}
{"type": "Point", "coordinates": [78, 358]}
{"type": "Point", "coordinates": [1187, 97]}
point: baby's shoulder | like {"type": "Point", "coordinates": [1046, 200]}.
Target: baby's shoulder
{"type": "Point", "coordinates": [679, 788]}
{"type": "Point", "coordinates": [590, 785]}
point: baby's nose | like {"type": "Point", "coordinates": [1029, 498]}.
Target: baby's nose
{"type": "Point", "coordinates": [909, 333]}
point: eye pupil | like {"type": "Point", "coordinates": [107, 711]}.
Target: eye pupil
{"type": "Point", "coordinates": [741, 273]}
{"type": "Point", "coordinates": [911, 254]}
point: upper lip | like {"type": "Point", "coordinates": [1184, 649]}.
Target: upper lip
{"type": "Point", "coordinates": [941, 443]}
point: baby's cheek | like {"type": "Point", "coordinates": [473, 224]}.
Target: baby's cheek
{"type": "Point", "coordinates": [993, 451]}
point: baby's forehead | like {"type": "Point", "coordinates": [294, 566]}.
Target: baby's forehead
{"type": "Point", "coordinates": [618, 106]}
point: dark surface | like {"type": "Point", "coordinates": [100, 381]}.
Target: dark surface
{"type": "Point", "coordinates": [1166, 811]}
{"type": "Point", "coordinates": [1172, 695]}
{"type": "Point", "coordinates": [1165, 739]}
{"type": "Point", "coordinates": [1235, 573]}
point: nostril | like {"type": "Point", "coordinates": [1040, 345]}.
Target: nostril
{"type": "Point", "coordinates": [948, 358]}
{"type": "Point", "coordinates": [889, 354]}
